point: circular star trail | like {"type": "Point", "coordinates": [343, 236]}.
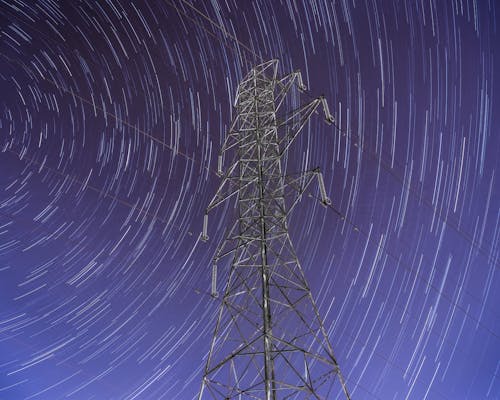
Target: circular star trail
{"type": "Point", "coordinates": [112, 114]}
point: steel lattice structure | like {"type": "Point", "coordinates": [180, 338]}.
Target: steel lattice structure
{"type": "Point", "coordinates": [269, 341]}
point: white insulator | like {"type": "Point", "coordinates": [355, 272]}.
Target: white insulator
{"type": "Point", "coordinates": [219, 165]}
{"type": "Point", "coordinates": [328, 116]}
{"type": "Point", "coordinates": [204, 233]}
{"type": "Point", "coordinates": [300, 82]}
{"type": "Point", "coordinates": [324, 197]}
{"type": "Point", "coordinates": [213, 292]}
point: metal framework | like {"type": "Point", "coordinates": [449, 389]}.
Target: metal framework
{"type": "Point", "coordinates": [269, 341]}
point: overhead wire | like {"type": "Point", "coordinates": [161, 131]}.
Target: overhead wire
{"type": "Point", "coordinates": [374, 156]}
{"type": "Point", "coordinates": [103, 111]}
{"type": "Point", "coordinates": [86, 185]}
{"type": "Point", "coordinates": [419, 275]}
{"type": "Point", "coordinates": [465, 235]}
{"type": "Point", "coordinates": [158, 141]}
{"type": "Point", "coordinates": [370, 152]}
{"type": "Point", "coordinates": [257, 57]}
{"type": "Point", "coordinates": [149, 136]}
{"type": "Point", "coordinates": [221, 28]}
{"type": "Point", "coordinates": [342, 216]}
{"type": "Point", "coordinates": [331, 207]}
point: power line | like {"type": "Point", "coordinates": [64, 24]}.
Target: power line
{"type": "Point", "coordinates": [465, 235]}
{"type": "Point", "coordinates": [335, 210]}
{"type": "Point", "coordinates": [331, 207]}
{"type": "Point", "coordinates": [85, 101]}
{"type": "Point", "coordinates": [221, 28]}
{"type": "Point", "coordinates": [86, 185]}
{"type": "Point", "coordinates": [419, 275]}
{"type": "Point", "coordinates": [104, 112]}
{"type": "Point", "coordinates": [374, 156]}
{"type": "Point", "coordinates": [232, 37]}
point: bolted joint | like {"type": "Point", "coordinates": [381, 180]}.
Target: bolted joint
{"type": "Point", "coordinates": [204, 234]}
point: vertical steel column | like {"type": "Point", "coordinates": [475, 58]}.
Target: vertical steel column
{"type": "Point", "coordinates": [266, 305]}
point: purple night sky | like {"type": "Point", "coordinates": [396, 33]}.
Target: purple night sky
{"type": "Point", "coordinates": [112, 114]}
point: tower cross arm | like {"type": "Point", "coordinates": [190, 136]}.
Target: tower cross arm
{"type": "Point", "coordinates": [297, 119]}
{"type": "Point", "coordinates": [296, 186]}
{"type": "Point", "coordinates": [228, 188]}
{"type": "Point", "coordinates": [285, 84]}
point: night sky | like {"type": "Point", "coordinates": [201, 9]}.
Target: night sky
{"type": "Point", "coordinates": [112, 114]}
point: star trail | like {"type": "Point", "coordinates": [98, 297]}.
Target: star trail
{"type": "Point", "coordinates": [112, 114]}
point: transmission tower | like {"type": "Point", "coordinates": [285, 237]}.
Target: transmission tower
{"type": "Point", "coordinates": [269, 340]}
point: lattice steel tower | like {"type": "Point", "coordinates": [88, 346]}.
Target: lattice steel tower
{"type": "Point", "coordinates": [269, 341]}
